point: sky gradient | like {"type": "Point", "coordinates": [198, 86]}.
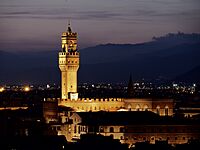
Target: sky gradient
{"type": "Point", "coordinates": [36, 25]}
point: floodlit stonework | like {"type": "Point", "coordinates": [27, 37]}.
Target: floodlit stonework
{"type": "Point", "coordinates": [163, 107]}
{"type": "Point", "coordinates": [69, 64]}
{"type": "Point", "coordinates": [75, 111]}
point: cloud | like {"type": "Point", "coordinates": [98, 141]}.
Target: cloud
{"type": "Point", "coordinates": [60, 13]}
{"type": "Point", "coordinates": [131, 10]}
{"type": "Point", "coordinates": [15, 13]}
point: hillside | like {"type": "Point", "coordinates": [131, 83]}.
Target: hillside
{"type": "Point", "coordinates": [165, 57]}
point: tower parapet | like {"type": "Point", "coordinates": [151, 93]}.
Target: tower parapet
{"type": "Point", "coordinates": [69, 64]}
{"type": "Point", "coordinates": [69, 40]}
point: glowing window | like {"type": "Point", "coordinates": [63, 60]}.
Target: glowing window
{"type": "Point", "coordinates": [158, 110]}
{"type": "Point", "coordinates": [166, 110]}
{"type": "Point", "coordinates": [111, 129]}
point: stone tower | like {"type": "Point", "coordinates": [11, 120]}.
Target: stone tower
{"type": "Point", "coordinates": [69, 64]}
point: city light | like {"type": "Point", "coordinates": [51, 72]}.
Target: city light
{"type": "Point", "coordinates": [2, 89]}
{"type": "Point", "coordinates": [26, 88]}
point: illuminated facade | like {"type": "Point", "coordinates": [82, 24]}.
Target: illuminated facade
{"type": "Point", "coordinates": [73, 126]}
{"type": "Point", "coordinates": [69, 64]}
{"type": "Point", "coordinates": [132, 127]}
{"type": "Point", "coordinates": [163, 107]}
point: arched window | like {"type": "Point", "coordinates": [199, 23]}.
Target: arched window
{"type": "Point", "coordinates": [121, 129]}
{"type": "Point", "coordinates": [138, 107]}
{"type": "Point", "coordinates": [158, 110]}
{"type": "Point", "coordinates": [168, 138]}
{"type": "Point", "coordinates": [75, 129]}
{"type": "Point", "coordinates": [166, 110]}
{"type": "Point", "coordinates": [111, 129]}
{"type": "Point", "coordinates": [101, 129]}
{"type": "Point", "coordinates": [79, 129]}
{"type": "Point", "coordinates": [146, 108]}
{"type": "Point", "coordinates": [129, 107]}
{"type": "Point", "coordinates": [121, 137]}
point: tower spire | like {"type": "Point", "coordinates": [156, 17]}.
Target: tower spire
{"type": "Point", "coordinates": [69, 26]}
{"type": "Point", "coordinates": [130, 90]}
{"type": "Point", "coordinates": [69, 22]}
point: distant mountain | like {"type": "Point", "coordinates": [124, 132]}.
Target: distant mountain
{"type": "Point", "coordinates": [118, 52]}
{"type": "Point", "coordinates": [29, 67]}
{"type": "Point", "coordinates": [165, 57]}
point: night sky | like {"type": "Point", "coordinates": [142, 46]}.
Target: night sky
{"type": "Point", "coordinates": [36, 25]}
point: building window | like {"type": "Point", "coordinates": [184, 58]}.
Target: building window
{"type": "Point", "coordinates": [146, 108]}
{"type": "Point", "coordinates": [121, 137]}
{"type": "Point", "coordinates": [129, 107]}
{"type": "Point", "coordinates": [138, 107]}
{"type": "Point", "coordinates": [79, 129]}
{"type": "Point", "coordinates": [75, 129]}
{"type": "Point", "coordinates": [58, 128]}
{"type": "Point", "coordinates": [166, 110]}
{"type": "Point", "coordinates": [158, 110]}
{"type": "Point", "coordinates": [101, 129]}
{"type": "Point", "coordinates": [111, 129]}
{"type": "Point", "coordinates": [121, 129]}
{"type": "Point", "coordinates": [167, 138]}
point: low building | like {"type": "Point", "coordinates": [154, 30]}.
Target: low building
{"type": "Point", "coordinates": [136, 126]}
{"type": "Point", "coordinates": [163, 107]}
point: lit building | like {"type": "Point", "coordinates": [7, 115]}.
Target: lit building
{"type": "Point", "coordinates": [129, 120]}
{"type": "Point", "coordinates": [132, 127]}
{"type": "Point", "coordinates": [69, 64]}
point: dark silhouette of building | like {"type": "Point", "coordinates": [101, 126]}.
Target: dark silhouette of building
{"type": "Point", "coordinates": [130, 90]}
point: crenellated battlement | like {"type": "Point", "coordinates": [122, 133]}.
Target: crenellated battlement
{"type": "Point", "coordinates": [71, 54]}
{"type": "Point", "coordinates": [117, 104]}
{"type": "Point", "coordinates": [90, 100]}
{"type": "Point", "coordinates": [62, 53]}
{"type": "Point", "coordinates": [93, 104]}
{"type": "Point", "coordinates": [69, 34]}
